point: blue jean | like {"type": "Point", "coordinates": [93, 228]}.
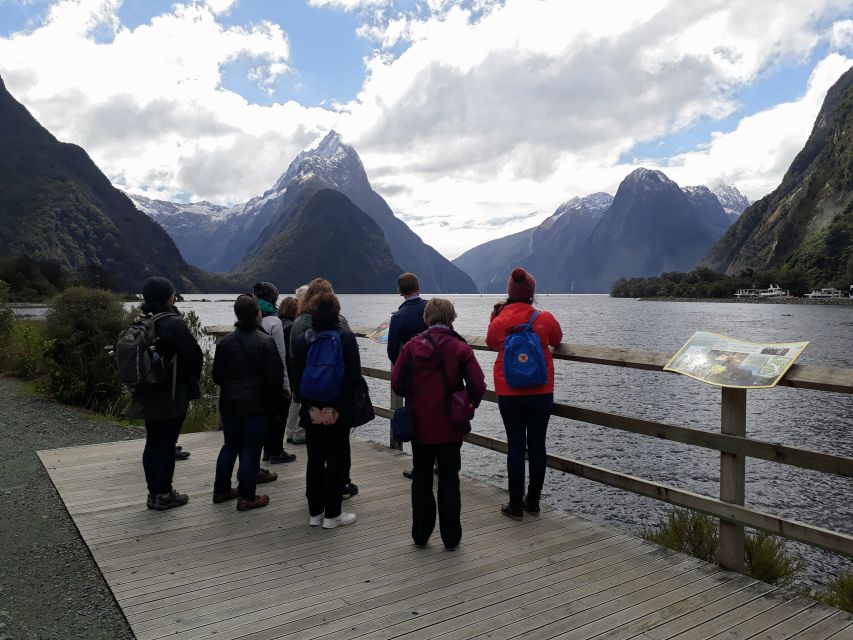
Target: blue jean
{"type": "Point", "coordinates": [244, 438]}
{"type": "Point", "coordinates": [526, 422]}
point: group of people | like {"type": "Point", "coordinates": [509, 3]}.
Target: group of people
{"type": "Point", "coordinates": [292, 372]}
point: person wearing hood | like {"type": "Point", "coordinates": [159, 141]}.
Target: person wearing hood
{"type": "Point", "coordinates": [525, 410]}
{"type": "Point", "coordinates": [430, 367]}
{"type": "Point", "coordinates": [164, 407]}
{"type": "Point", "coordinates": [267, 297]}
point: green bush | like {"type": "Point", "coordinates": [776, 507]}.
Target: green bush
{"type": "Point", "coordinates": [202, 414]}
{"type": "Point", "coordinates": [7, 316]}
{"type": "Point", "coordinates": [839, 593]}
{"type": "Point", "coordinates": [766, 559]}
{"type": "Point", "coordinates": [23, 354]}
{"type": "Point", "coordinates": [80, 323]}
{"type": "Point", "coordinates": [689, 532]}
{"type": "Point", "coordinates": [696, 534]}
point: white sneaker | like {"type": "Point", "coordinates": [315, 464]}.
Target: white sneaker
{"type": "Point", "coordinates": [342, 520]}
{"type": "Point", "coordinates": [315, 521]}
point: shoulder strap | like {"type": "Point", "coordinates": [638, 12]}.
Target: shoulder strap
{"type": "Point", "coordinates": [532, 319]}
{"type": "Point", "coordinates": [440, 359]}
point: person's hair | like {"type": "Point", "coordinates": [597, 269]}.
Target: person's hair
{"type": "Point", "coordinates": [315, 287]}
{"type": "Point", "coordinates": [300, 292]}
{"type": "Point", "coordinates": [439, 311]}
{"type": "Point", "coordinates": [325, 309]}
{"type": "Point", "coordinates": [246, 309]}
{"type": "Point", "coordinates": [408, 283]}
{"type": "Point", "coordinates": [288, 308]}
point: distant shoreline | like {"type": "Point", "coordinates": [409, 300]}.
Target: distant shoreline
{"type": "Point", "coordinates": [838, 302]}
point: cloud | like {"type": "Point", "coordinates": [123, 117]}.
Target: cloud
{"type": "Point", "coordinates": [349, 5]}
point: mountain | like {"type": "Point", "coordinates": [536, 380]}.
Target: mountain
{"type": "Point", "coordinates": [806, 223]}
{"type": "Point", "coordinates": [709, 209]}
{"type": "Point", "coordinates": [55, 204]}
{"type": "Point", "coordinates": [222, 240]}
{"type": "Point", "coordinates": [490, 263]}
{"type": "Point", "coordinates": [651, 227]}
{"type": "Point", "coordinates": [541, 250]}
{"type": "Point", "coordinates": [325, 235]}
{"type": "Point", "coordinates": [732, 200]}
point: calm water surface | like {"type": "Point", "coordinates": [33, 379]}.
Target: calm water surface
{"type": "Point", "coordinates": [814, 420]}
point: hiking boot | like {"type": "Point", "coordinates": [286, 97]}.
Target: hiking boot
{"type": "Point", "coordinates": [180, 454]}
{"type": "Point", "coordinates": [340, 521]}
{"type": "Point", "coordinates": [284, 457]}
{"type": "Point", "coordinates": [151, 500]}
{"type": "Point", "coordinates": [315, 521]}
{"type": "Point", "coordinates": [265, 475]}
{"type": "Point", "coordinates": [297, 441]}
{"type": "Point", "coordinates": [224, 497]}
{"type": "Point", "coordinates": [163, 501]}
{"type": "Point", "coordinates": [244, 504]}
{"type": "Point", "coordinates": [516, 513]}
{"type": "Point", "coordinates": [349, 490]}
{"type": "Point", "coordinates": [530, 507]}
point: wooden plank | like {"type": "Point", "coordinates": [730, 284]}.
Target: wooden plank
{"type": "Point", "coordinates": [798, 625]}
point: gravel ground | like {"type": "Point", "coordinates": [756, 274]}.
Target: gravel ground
{"type": "Point", "coordinates": [50, 586]}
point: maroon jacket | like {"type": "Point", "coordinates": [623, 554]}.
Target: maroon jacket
{"type": "Point", "coordinates": [429, 397]}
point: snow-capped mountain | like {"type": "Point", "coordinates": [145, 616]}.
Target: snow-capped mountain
{"type": "Point", "coordinates": [708, 208]}
{"type": "Point", "coordinates": [732, 200]}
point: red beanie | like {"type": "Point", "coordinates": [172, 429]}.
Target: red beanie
{"type": "Point", "coordinates": [520, 285]}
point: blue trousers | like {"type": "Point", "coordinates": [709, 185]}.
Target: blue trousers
{"type": "Point", "coordinates": [526, 422]}
{"type": "Point", "coordinates": [244, 438]}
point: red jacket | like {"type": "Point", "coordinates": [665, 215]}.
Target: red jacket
{"type": "Point", "coordinates": [546, 327]}
{"type": "Point", "coordinates": [429, 397]}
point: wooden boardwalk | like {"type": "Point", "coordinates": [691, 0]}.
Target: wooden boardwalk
{"type": "Point", "coordinates": [207, 570]}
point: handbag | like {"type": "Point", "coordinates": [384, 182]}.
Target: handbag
{"type": "Point", "coordinates": [461, 407]}
{"type": "Point", "coordinates": [402, 422]}
{"type": "Point", "coordinates": [362, 408]}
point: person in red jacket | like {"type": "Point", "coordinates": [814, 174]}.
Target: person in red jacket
{"type": "Point", "coordinates": [525, 410]}
{"type": "Point", "coordinates": [418, 376]}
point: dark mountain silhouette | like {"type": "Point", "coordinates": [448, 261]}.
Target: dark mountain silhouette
{"type": "Point", "coordinates": [708, 208]}
{"type": "Point", "coordinates": [806, 223]}
{"type": "Point", "coordinates": [55, 204]}
{"type": "Point", "coordinates": [326, 235]}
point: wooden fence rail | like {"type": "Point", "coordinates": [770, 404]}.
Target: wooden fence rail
{"type": "Point", "coordinates": [731, 441]}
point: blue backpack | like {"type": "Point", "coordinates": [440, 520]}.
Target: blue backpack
{"type": "Point", "coordinates": [524, 361]}
{"type": "Point", "coordinates": [324, 369]}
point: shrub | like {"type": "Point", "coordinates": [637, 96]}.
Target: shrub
{"type": "Point", "coordinates": [80, 323]}
{"type": "Point", "coordinates": [23, 354]}
{"type": "Point", "coordinates": [202, 414]}
{"type": "Point", "coordinates": [839, 593]}
{"type": "Point", "coordinates": [767, 560]}
{"type": "Point", "coordinates": [696, 534]}
{"type": "Point", "coordinates": [7, 316]}
{"type": "Point", "coordinates": [689, 532]}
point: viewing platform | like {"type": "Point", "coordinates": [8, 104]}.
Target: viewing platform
{"type": "Point", "coordinates": [209, 571]}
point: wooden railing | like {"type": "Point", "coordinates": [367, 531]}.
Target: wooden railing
{"type": "Point", "coordinates": [731, 442]}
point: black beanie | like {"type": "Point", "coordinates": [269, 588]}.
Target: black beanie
{"type": "Point", "coordinates": [157, 289]}
{"type": "Point", "coordinates": [266, 291]}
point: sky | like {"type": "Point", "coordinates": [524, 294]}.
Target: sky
{"type": "Point", "coordinates": [473, 118]}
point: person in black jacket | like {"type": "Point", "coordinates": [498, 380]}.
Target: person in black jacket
{"type": "Point", "coordinates": [164, 407]}
{"type": "Point", "coordinates": [327, 444]}
{"type": "Point", "coordinates": [407, 321]}
{"type": "Point", "coordinates": [249, 371]}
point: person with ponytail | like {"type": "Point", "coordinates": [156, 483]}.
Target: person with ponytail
{"type": "Point", "coordinates": [524, 383]}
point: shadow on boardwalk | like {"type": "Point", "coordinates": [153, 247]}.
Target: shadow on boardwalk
{"type": "Point", "coordinates": [207, 570]}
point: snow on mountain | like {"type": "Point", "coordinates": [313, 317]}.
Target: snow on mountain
{"type": "Point", "coordinates": [733, 201]}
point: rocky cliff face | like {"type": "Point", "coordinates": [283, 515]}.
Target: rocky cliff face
{"type": "Point", "coordinates": [806, 223]}
{"type": "Point", "coordinates": [56, 204]}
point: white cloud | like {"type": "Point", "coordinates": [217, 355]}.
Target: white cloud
{"type": "Point", "coordinates": [467, 115]}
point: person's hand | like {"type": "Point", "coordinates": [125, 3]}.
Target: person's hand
{"type": "Point", "coordinates": [499, 306]}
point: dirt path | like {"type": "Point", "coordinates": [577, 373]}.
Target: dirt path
{"type": "Point", "coordinates": [49, 584]}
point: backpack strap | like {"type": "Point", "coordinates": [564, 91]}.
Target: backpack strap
{"type": "Point", "coordinates": [527, 325]}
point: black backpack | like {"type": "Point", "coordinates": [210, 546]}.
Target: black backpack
{"type": "Point", "coordinates": [136, 357]}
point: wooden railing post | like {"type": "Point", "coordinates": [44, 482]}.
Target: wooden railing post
{"type": "Point", "coordinates": [396, 403]}
{"type": "Point", "coordinates": [732, 478]}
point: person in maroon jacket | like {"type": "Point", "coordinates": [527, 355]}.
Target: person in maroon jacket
{"type": "Point", "coordinates": [418, 376]}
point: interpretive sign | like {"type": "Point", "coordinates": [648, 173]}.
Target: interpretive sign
{"type": "Point", "coordinates": [729, 362]}
{"type": "Point", "coordinates": [380, 334]}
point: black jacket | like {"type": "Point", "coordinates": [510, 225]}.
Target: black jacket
{"type": "Point", "coordinates": [248, 369]}
{"type": "Point", "coordinates": [406, 323]}
{"type": "Point", "coordinates": [352, 368]}
{"type": "Point", "coordinates": [174, 338]}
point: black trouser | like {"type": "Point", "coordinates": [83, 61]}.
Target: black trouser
{"type": "Point", "coordinates": [526, 422]}
{"type": "Point", "coordinates": [327, 446]}
{"type": "Point", "coordinates": [449, 501]}
{"type": "Point", "coordinates": [158, 458]}
{"type": "Point", "coordinates": [274, 439]}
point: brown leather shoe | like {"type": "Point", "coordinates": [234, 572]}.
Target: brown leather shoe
{"type": "Point", "coordinates": [224, 497]}
{"type": "Point", "coordinates": [244, 504]}
{"type": "Point", "coordinates": [264, 475]}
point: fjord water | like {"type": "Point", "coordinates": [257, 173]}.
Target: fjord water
{"type": "Point", "coordinates": [820, 421]}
